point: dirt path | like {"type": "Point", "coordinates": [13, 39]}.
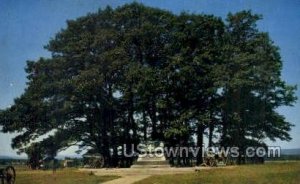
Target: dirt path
{"type": "Point", "coordinates": [127, 179]}
{"type": "Point", "coordinates": [131, 175]}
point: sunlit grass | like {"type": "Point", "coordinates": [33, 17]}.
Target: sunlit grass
{"type": "Point", "coordinates": [67, 176]}
{"type": "Point", "coordinates": [274, 172]}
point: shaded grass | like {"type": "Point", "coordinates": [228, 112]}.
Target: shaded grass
{"type": "Point", "coordinates": [67, 176]}
{"type": "Point", "coordinates": [273, 172]}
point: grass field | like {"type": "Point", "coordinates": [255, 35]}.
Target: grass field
{"type": "Point", "coordinates": [273, 172]}
{"type": "Point", "coordinates": [60, 177]}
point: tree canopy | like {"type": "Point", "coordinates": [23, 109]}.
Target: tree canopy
{"type": "Point", "coordinates": [135, 73]}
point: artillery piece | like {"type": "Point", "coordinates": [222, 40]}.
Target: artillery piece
{"type": "Point", "coordinates": [94, 161]}
{"type": "Point", "coordinates": [213, 159]}
{"type": "Point", "coordinates": [8, 175]}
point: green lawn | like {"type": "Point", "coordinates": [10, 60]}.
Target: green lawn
{"type": "Point", "coordinates": [269, 173]}
{"type": "Point", "coordinates": [60, 177]}
{"type": "Point", "coordinates": [275, 173]}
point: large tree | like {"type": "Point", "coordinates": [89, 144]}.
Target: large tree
{"type": "Point", "coordinates": [251, 85]}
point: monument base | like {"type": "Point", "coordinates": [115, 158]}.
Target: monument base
{"type": "Point", "coordinates": [151, 159]}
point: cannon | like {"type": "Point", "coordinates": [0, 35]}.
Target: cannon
{"type": "Point", "coordinates": [93, 160]}
{"type": "Point", "coordinates": [8, 175]}
{"type": "Point", "coordinates": [214, 159]}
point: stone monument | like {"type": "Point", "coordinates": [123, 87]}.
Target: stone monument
{"type": "Point", "coordinates": [151, 156]}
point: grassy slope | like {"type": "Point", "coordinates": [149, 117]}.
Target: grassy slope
{"type": "Point", "coordinates": [275, 173]}
{"type": "Point", "coordinates": [60, 177]}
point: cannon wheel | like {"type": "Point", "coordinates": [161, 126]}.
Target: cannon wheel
{"type": "Point", "coordinates": [10, 175]}
{"type": "Point", "coordinates": [98, 162]}
{"type": "Point", "coordinates": [212, 162]}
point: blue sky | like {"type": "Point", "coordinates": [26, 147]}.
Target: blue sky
{"type": "Point", "coordinates": [26, 26]}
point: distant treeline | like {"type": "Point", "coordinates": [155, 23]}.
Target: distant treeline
{"type": "Point", "coordinates": [284, 157]}
{"type": "Point", "coordinates": [5, 162]}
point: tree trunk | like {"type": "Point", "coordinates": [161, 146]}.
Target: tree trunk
{"type": "Point", "coordinates": [145, 126]}
{"type": "Point", "coordinates": [200, 131]}
{"type": "Point", "coordinates": [210, 136]}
